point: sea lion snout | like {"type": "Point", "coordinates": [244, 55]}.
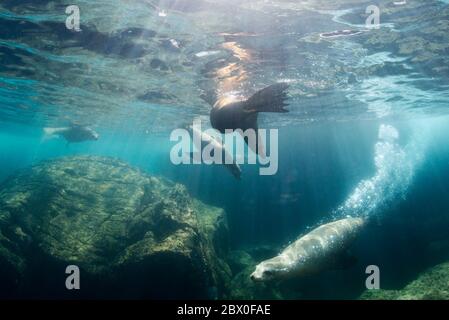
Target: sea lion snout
{"type": "Point", "coordinates": [257, 275]}
{"type": "Point", "coordinates": [93, 134]}
{"type": "Point", "coordinates": [256, 278]}
{"type": "Point", "coordinates": [264, 272]}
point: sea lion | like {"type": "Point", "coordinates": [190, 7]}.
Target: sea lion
{"type": "Point", "coordinates": [340, 33]}
{"type": "Point", "coordinates": [227, 158]}
{"type": "Point", "coordinates": [232, 113]}
{"type": "Point", "coordinates": [318, 250]}
{"type": "Point", "coordinates": [74, 133]}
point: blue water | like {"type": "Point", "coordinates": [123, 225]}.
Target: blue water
{"type": "Point", "coordinates": [320, 170]}
{"type": "Point", "coordinates": [367, 133]}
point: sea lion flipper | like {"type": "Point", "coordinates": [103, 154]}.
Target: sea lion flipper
{"type": "Point", "coordinates": [258, 148]}
{"type": "Point", "coordinates": [269, 99]}
{"type": "Point", "coordinates": [251, 123]}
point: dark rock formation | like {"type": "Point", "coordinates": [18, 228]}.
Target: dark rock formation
{"type": "Point", "coordinates": [131, 235]}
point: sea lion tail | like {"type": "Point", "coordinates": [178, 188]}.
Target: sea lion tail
{"type": "Point", "coordinates": [269, 99]}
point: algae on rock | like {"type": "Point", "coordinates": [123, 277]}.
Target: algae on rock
{"type": "Point", "coordinates": [131, 235]}
{"type": "Point", "coordinates": [432, 284]}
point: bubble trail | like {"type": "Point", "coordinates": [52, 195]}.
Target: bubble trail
{"type": "Point", "coordinates": [395, 168]}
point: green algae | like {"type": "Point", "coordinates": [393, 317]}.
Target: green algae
{"type": "Point", "coordinates": [123, 228]}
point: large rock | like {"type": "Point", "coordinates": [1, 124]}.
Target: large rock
{"type": "Point", "coordinates": [432, 284]}
{"type": "Point", "coordinates": [131, 235]}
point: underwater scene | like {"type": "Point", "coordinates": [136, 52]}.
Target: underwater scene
{"type": "Point", "coordinates": [224, 149]}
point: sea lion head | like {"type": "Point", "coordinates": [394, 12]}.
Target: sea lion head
{"type": "Point", "coordinates": [269, 270]}
{"type": "Point", "coordinates": [87, 133]}
{"type": "Point", "coordinates": [92, 134]}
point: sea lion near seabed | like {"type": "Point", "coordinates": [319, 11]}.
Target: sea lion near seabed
{"type": "Point", "coordinates": [73, 133]}
{"type": "Point", "coordinates": [314, 252]}
{"type": "Point", "coordinates": [232, 113]}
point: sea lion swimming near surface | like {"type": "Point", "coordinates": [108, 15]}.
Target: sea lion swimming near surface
{"type": "Point", "coordinates": [74, 133]}
{"type": "Point", "coordinates": [317, 251]}
{"type": "Point", "coordinates": [232, 113]}
{"type": "Point", "coordinates": [227, 158]}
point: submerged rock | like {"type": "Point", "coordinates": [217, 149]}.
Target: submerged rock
{"type": "Point", "coordinates": [432, 284]}
{"type": "Point", "coordinates": [239, 260]}
{"type": "Point", "coordinates": [131, 235]}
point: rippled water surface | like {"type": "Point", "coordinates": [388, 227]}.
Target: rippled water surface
{"type": "Point", "coordinates": [156, 64]}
